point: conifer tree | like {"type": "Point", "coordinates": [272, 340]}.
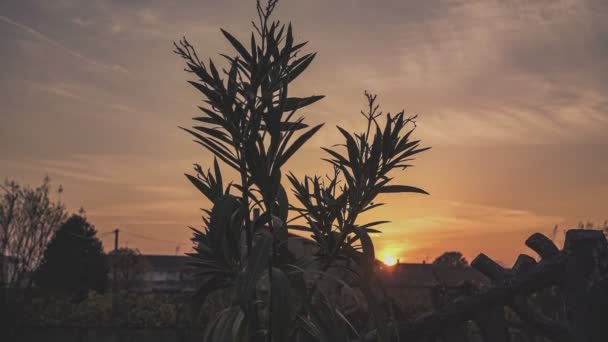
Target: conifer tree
{"type": "Point", "coordinates": [74, 260]}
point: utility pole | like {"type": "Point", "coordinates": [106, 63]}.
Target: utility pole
{"type": "Point", "coordinates": [116, 231]}
{"type": "Point", "coordinates": [114, 276]}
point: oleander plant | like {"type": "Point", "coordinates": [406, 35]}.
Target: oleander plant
{"type": "Point", "coordinates": [253, 126]}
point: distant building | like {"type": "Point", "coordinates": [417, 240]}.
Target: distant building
{"type": "Point", "coordinates": [172, 273]}
{"type": "Point", "coordinates": [167, 273]}
{"type": "Point", "coordinates": [408, 283]}
{"type": "Point", "coordinates": [428, 285]}
{"type": "Point", "coordinates": [430, 275]}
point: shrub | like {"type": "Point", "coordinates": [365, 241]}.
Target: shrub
{"type": "Point", "coordinates": [249, 125]}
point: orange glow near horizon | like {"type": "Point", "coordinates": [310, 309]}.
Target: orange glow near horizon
{"type": "Point", "coordinates": [389, 260]}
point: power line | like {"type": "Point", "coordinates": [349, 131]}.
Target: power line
{"type": "Point", "coordinates": [146, 237]}
{"type": "Point", "coordinates": [137, 235]}
{"type": "Point", "coordinates": [80, 236]}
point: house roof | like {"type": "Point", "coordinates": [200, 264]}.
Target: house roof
{"type": "Point", "coordinates": [400, 275]}
{"type": "Point", "coordinates": [166, 263]}
{"type": "Point", "coordinates": [429, 275]}
{"type": "Point", "coordinates": [417, 275]}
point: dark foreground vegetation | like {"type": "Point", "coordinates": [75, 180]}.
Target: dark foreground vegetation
{"type": "Point", "coordinates": [267, 269]}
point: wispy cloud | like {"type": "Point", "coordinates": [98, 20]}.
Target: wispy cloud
{"type": "Point", "coordinates": [60, 89]}
{"type": "Point", "coordinates": [59, 45]}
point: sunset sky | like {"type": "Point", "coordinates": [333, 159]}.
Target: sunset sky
{"type": "Point", "coordinates": [511, 95]}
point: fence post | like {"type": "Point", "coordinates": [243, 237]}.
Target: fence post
{"type": "Point", "coordinates": [585, 284]}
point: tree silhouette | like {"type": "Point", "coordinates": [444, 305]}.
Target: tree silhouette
{"type": "Point", "coordinates": [455, 259]}
{"type": "Point", "coordinates": [74, 260]}
{"type": "Point", "coordinates": [28, 219]}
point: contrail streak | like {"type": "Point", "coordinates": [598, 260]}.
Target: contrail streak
{"type": "Point", "coordinates": [55, 43]}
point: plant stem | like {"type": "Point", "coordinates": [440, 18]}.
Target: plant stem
{"type": "Point", "coordinates": [245, 200]}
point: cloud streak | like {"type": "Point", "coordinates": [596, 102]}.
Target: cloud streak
{"type": "Point", "coordinates": [59, 45]}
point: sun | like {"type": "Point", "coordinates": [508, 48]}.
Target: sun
{"type": "Point", "coordinates": [389, 260]}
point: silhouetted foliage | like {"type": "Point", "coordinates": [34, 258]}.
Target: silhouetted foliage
{"type": "Point", "coordinates": [591, 225]}
{"type": "Point", "coordinates": [28, 219]}
{"type": "Point", "coordinates": [455, 259]}
{"type": "Point", "coordinates": [74, 260]}
{"type": "Point", "coordinates": [144, 310]}
{"type": "Point", "coordinates": [249, 124]}
{"type": "Point", "coordinates": [129, 267]}
{"type": "Point", "coordinates": [558, 233]}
